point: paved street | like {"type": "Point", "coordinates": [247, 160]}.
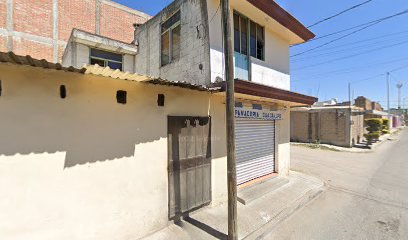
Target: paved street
{"type": "Point", "coordinates": [366, 196]}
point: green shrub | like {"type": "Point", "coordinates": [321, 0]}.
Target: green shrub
{"type": "Point", "coordinates": [374, 124]}
{"type": "Point", "coordinates": [385, 131]}
{"type": "Point", "coordinates": [372, 136]}
{"type": "Point", "coordinates": [374, 128]}
{"type": "Point", "coordinates": [385, 125]}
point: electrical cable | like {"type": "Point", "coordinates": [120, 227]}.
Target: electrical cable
{"type": "Point", "coordinates": [340, 13]}
{"type": "Point", "coordinates": [353, 55]}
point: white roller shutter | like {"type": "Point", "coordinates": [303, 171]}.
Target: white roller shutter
{"type": "Point", "coordinates": [255, 148]}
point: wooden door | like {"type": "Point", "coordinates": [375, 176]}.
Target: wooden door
{"type": "Point", "coordinates": [189, 154]}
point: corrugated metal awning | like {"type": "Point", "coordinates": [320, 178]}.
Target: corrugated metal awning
{"type": "Point", "coordinates": [116, 74]}
{"type": "Point", "coordinates": [11, 57]}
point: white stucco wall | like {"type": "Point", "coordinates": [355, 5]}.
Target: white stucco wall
{"type": "Point", "coordinates": [283, 141]}
{"type": "Point", "coordinates": [84, 167]}
{"type": "Point", "coordinates": [274, 71]}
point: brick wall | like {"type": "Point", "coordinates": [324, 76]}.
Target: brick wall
{"type": "Point", "coordinates": [3, 38]}
{"type": "Point", "coordinates": [41, 28]}
{"type": "Point", "coordinates": [363, 103]}
{"type": "Point", "coordinates": [34, 49]}
{"type": "Point", "coordinates": [376, 106]}
{"type": "Point", "coordinates": [33, 16]}
{"type": "Point", "coordinates": [299, 126]}
{"type": "Point", "coordinates": [331, 126]}
{"type": "Point", "coordinates": [3, 13]}
{"type": "Point", "coordinates": [357, 128]}
{"type": "Point", "coordinates": [77, 14]}
{"type": "Point", "coordinates": [334, 128]}
{"type": "Point", "coordinates": [3, 42]}
{"type": "Point", "coordinates": [116, 23]}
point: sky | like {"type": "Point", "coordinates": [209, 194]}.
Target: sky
{"type": "Point", "coordinates": [361, 59]}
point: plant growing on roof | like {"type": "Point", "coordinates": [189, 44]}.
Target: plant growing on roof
{"type": "Point", "coordinates": [374, 128]}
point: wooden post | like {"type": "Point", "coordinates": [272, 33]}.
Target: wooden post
{"type": "Point", "coordinates": [230, 118]}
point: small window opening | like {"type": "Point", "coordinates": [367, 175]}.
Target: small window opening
{"type": "Point", "coordinates": [160, 100]}
{"type": "Point", "coordinates": [257, 106]}
{"type": "Point", "coordinates": [0, 87]}
{"type": "Point", "coordinates": [238, 104]}
{"type": "Point", "coordinates": [106, 59]}
{"type": "Point", "coordinates": [121, 96]}
{"type": "Point", "coordinates": [63, 91]}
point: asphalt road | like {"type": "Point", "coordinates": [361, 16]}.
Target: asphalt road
{"type": "Point", "coordinates": [366, 195]}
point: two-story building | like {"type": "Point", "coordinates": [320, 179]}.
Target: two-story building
{"type": "Point", "coordinates": [183, 43]}
{"type": "Point", "coordinates": [158, 150]}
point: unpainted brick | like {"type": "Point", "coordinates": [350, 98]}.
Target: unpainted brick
{"type": "Point", "coordinates": [33, 16]}
{"type": "Point", "coordinates": [3, 14]}
{"type": "Point", "coordinates": [76, 14]}
{"type": "Point", "coordinates": [34, 49]}
{"type": "Point", "coordinates": [3, 44]}
{"type": "Point", "coordinates": [118, 24]}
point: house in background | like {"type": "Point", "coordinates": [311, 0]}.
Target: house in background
{"type": "Point", "coordinates": [100, 149]}
{"type": "Point", "coordinates": [41, 29]}
{"type": "Point", "coordinates": [375, 110]}
{"type": "Point", "coordinates": [336, 125]}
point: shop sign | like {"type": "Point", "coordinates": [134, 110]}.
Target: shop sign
{"type": "Point", "coordinates": [258, 114]}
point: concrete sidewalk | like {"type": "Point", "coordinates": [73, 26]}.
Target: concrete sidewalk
{"type": "Point", "coordinates": [360, 148]}
{"type": "Point", "coordinates": [254, 219]}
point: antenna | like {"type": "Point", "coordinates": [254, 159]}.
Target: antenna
{"type": "Point", "coordinates": [399, 86]}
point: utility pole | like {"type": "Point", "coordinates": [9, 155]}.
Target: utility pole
{"type": "Point", "coordinates": [349, 93]}
{"type": "Point", "coordinates": [230, 120]}
{"type": "Point", "coordinates": [388, 93]}
{"type": "Point", "coordinates": [399, 86]}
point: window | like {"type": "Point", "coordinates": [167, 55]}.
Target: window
{"type": "Point", "coordinates": [106, 59]}
{"type": "Point", "coordinates": [248, 37]}
{"type": "Point", "coordinates": [170, 39]}
{"type": "Point", "coordinates": [256, 106]}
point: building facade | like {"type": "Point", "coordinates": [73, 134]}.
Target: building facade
{"type": "Point", "coordinates": [337, 125]}
{"type": "Point", "coordinates": [41, 29]}
{"type": "Point", "coordinates": [156, 148]}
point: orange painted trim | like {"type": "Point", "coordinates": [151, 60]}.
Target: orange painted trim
{"type": "Point", "coordinates": [257, 180]}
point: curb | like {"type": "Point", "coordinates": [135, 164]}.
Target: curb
{"type": "Point", "coordinates": [264, 231]}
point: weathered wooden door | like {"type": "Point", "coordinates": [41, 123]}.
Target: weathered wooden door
{"type": "Point", "coordinates": [189, 154]}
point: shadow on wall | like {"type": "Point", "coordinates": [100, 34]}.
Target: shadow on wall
{"type": "Point", "coordinates": [89, 125]}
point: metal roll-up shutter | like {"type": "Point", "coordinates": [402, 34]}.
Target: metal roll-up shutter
{"type": "Point", "coordinates": [255, 148]}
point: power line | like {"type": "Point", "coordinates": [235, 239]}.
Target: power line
{"type": "Point", "coordinates": [358, 47]}
{"type": "Point", "coordinates": [363, 40]}
{"type": "Point", "coordinates": [340, 13]}
{"type": "Point", "coordinates": [353, 55]}
{"type": "Point", "coordinates": [335, 40]}
{"type": "Point", "coordinates": [356, 31]}
{"type": "Point", "coordinates": [360, 25]}
{"type": "Point", "coordinates": [356, 69]}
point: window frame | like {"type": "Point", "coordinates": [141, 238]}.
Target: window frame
{"type": "Point", "coordinates": [248, 41]}
{"type": "Point", "coordinates": [170, 30]}
{"type": "Point", "coordinates": [106, 61]}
